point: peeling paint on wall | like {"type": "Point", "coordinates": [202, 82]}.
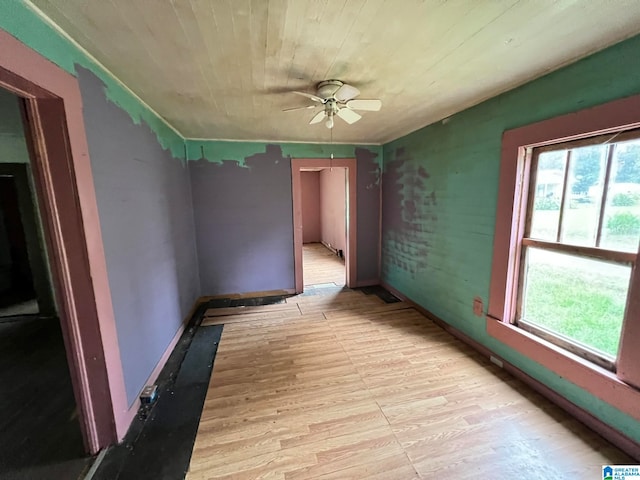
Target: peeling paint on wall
{"type": "Point", "coordinates": [24, 23]}
{"type": "Point", "coordinates": [439, 192]}
{"type": "Point", "coordinates": [223, 157]}
{"type": "Point", "coordinates": [244, 223]}
{"type": "Point", "coordinates": [371, 161]}
{"type": "Point", "coordinates": [21, 21]}
{"type": "Point", "coordinates": [218, 151]}
{"type": "Point", "coordinates": [406, 185]}
{"type": "Point", "coordinates": [368, 206]}
{"type": "Point", "coordinates": [144, 207]}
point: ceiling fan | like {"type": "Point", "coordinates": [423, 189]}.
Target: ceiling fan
{"type": "Point", "coordinates": [337, 98]}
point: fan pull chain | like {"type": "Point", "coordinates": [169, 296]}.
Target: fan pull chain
{"type": "Point", "coordinates": [331, 148]}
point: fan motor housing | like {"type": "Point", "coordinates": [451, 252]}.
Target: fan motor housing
{"type": "Point", "coordinates": [328, 88]}
{"type": "Point", "coordinates": [331, 107]}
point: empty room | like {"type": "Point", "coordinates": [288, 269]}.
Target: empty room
{"type": "Point", "coordinates": [350, 239]}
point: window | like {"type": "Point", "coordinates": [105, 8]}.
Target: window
{"type": "Point", "coordinates": [584, 157]}
{"type": "Point", "coordinates": [579, 242]}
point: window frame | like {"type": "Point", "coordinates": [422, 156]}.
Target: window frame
{"type": "Point", "coordinates": [595, 252]}
{"type": "Point", "coordinates": [622, 388]}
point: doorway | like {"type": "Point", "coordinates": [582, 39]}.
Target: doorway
{"type": "Point", "coordinates": [53, 124]}
{"type": "Point", "coordinates": [25, 279]}
{"type": "Point", "coordinates": [324, 226]}
{"type": "Point", "coordinates": [324, 237]}
{"type": "Point", "coordinates": [17, 294]}
{"type": "Point", "coordinates": [40, 432]}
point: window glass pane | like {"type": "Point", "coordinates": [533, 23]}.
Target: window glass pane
{"type": "Point", "coordinates": [621, 223]}
{"type": "Point", "coordinates": [585, 185]}
{"type": "Point", "coordinates": [579, 298]}
{"type": "Point", "coordinates": [547, 195]}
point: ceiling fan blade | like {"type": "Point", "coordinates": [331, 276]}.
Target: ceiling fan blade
{"type": "Point", "coordinates": [349, 116]}
{"type": "Point", "coordinates": [317, 117]}
{"type": "Point", "coordinates": [368, 105]}
{"type": "Point", "coordinates": [307, 107]}
{"type": "Point", "coordinates": [346, 92]}
{"type": "Point", "coordinates": [315, 98]}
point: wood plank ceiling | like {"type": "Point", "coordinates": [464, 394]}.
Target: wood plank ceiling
{"type": "Point", "coordinates": [223, 69]}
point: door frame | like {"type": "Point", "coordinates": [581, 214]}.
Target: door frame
{"type": "Point", "coordinates": [350, 164]}
{"type": "Point", "coordinates": [65, 192]}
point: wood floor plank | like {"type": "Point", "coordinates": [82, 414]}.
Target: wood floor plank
{"type": "Point", "coordinates": [278, 307]}
{"type": "Point", "coordinates": [321, 265]}
{"type": "Point", "coordinates": [277, 316]}
{"type": "Point", "coordinates": [344, 386]}
{"type": "Point", "coordinates": [395, 467]}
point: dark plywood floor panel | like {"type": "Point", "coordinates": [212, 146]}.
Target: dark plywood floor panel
{"type": "Point", "coordinates": [39, 430]}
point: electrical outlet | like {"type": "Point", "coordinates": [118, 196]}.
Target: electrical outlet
{"type": "Point", "coordinates": [149, 394]}
{"type": "Point", "coordinates": [478, 307]}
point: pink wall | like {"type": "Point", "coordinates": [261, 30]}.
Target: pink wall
{"type": "Point", "coordinates": [310, 207]}
{"type": "Point", "coordinates": [332, 207]}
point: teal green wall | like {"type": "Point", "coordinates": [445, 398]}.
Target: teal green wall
{"type": "Point", "coordinates": [219, 151]}
{"type": "Point", "coordinates": [23, 23]}
{"type": "Point", "coordinates": [439, 187]}
{"type": "Point", "coordinates": [439, 192]}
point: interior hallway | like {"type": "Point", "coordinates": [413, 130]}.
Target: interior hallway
{"type": "Point", "coordinates": [321, 266]}
{"type": "Point", "coordinates": [346, 386]}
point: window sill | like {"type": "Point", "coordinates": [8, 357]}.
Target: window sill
{"type": "Point", "coordinates": [601, 383]}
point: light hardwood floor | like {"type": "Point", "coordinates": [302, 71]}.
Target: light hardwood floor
{"type": "Point", "coordinates": [344, 386]}
{"type": "Point", "coordinates": [320, 265]}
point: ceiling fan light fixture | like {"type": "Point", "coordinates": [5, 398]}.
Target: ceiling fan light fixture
{"type": "Point", "coordinates": [337, 98]}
